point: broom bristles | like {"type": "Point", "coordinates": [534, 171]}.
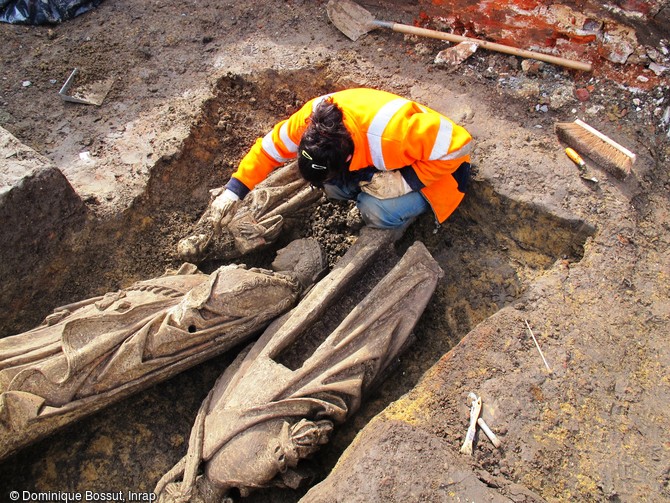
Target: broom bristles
{"type": "Point", "coordinates": [593, 144]}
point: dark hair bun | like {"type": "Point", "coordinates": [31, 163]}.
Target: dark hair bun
{"type": "Point", "coordinates": [325, 145]}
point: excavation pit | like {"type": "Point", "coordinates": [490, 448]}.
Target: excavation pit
{"type": "Point", "coordinates": [491, 250]}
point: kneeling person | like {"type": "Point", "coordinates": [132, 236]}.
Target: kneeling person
{"type": "Point", "coordinates": [394, 157]}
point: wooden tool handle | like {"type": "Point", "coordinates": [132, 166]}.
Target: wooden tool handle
{"type": "Point", "coordinates": [424, 32]}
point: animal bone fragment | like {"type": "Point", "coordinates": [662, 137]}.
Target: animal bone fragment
{"type": "Point", "coordinates": [475, 410]}
{"type": "Point", "coordinates": [487, 431]}
{"type": "Point", "coordinates": [265, 415]}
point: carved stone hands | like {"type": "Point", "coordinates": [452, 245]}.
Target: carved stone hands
{"type": "Point", "coordinates": [268, 229]}
{"type": "Point", "coordinates": [250, 234]}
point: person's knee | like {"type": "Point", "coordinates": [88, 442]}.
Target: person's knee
{"type": "Point", "coordinates": [339, 193]}
{"type": "Point", "coordinates": [382, 214]}
{"type": "Point", "coordinates": [376, 219]}
{"type": "Point", "coordinates": [333, 192]}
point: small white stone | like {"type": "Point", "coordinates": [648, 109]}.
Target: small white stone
{"type": "Point", "coordinates": [657, 69]}
{"type": "Point", "coordinates": [666, 116]}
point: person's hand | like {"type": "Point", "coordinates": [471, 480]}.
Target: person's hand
{"type": "Point", "coordinates": [386, 185]}
{"type": "Point", "coordinates": [222, 207]}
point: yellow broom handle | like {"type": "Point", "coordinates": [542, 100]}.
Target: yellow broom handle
{"type": "Point", "coordinates": [424, 32]}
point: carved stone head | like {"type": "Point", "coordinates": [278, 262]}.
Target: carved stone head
{"type": "Point", "coordinates": [267, 455]}
{"type": "Point", "coordinates": [263, 456]}
{"type": "Point", "coordinates": [303, 259]}
{"type": "Point", "coordinates": [234, 296]}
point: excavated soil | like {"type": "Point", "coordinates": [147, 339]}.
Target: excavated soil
{"type": "Point", "coordinates": [585, 264]}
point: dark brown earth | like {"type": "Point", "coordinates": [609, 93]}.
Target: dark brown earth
{"type": "Point", "coordinates": [586, 265]}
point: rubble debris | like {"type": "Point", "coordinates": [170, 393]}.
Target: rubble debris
{"type": "Point", "coordinates": [592, 33]}
{"type": "Point", "coordinates": [531, 66]}
{"type": "Point", "coordinates": [455, 55]}
{"type": "Point", "coordinates": [618, 43]}
{"type": "Point", "coordinates": [354, 21]}
{"type": "Point", "coordinates": [561, 96]}
{"type": "Point", "coordinates": [582, 94]}
{"type": "Point", "coordinates": [658, 69]}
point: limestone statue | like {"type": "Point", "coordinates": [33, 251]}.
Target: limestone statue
{"type": "Point", "coordinates": [256, 222]}
{"type": "Point", "coordinates": [89, 354]}
{"type": "Point", "coordinates": [264, 415]}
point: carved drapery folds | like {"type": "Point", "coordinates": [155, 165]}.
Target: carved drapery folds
{"type": "Point", "coordinates": [95, 352]}
{"type": "Point", "coordinates": [262, 417]}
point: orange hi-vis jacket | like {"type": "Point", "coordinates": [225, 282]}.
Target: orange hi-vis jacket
{"type": "Point", "coordinates": [389, 132]}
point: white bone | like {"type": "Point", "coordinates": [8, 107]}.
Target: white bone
{"type": "Point", "coordinates": [485, 428]}
{"type": "Point", "coordinates": [475, 409]}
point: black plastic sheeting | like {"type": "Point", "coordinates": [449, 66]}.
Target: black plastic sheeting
{"type": "Point", "coordinates": [43, 11]}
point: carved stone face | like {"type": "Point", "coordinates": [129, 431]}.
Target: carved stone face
{"type": "Point", "coordinates": [250, 460]}
{"type": "Point", "coordinates": [264, 455]}
{"type": "Point", "coordinates": [304, 258]}
{"type": "Point", "coordinates": [232, 293]}
{"type": "Point", "coordinates": [193, 313]}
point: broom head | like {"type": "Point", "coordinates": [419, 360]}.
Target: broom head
{"type": "Point", "coordinates": [593, 144]}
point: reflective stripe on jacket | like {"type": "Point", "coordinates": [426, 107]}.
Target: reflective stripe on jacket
{"type": "Point", "coordinates": [389, 132]}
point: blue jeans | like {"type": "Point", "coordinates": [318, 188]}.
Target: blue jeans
{"type": "Point", "coordinates": [379, 213]}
